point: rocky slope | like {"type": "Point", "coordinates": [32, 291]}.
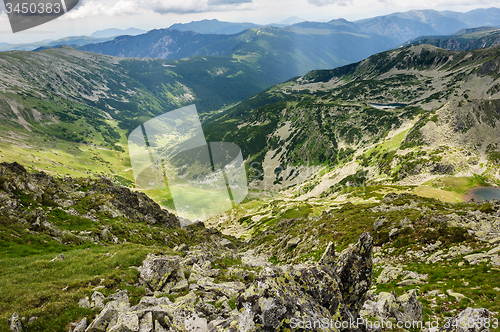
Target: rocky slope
{"type": "Point", "coordinates": [277, 296]}
{"type": "Point", "coordinates": [49, 206]}
{"type": "Point", "coordinates": [464, 40]}
{"type": "Point", "coordinates": [406, 116]}
{"type": "Point", "coordinates": [406, 259]}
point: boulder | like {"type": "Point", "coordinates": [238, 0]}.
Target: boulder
{"type": "Point", "coordinates": [15, 323]}
{"type": "Point", "coordinates": [494, 251]}
{"type": "Point", "coordinates": [379, 222]}
{"type": "Point", "coordinates": [228, 289]}
{"type": "Point", "coordinates": [58, 258]}
{"type": "Point", "coordinates": [197, 274]}
{"type": "Point", "coordinates": [81, 326]}
{"type": "Point", "coordinates": [440, 168]}
{"type": "Point", "coordinates": [156, 270]}
{"type": "Point", "coordinates": [118, 305]}
{"type": "Point", "coordinates": [180, 286]}
{"type": "Point", "coordinates": [457, 296]}
{"type": "Point", "coordinates": [469, 320]}
{"type": "Point", "coordinates": [84, 302]}
{"type": "Point", "coordinates": [238, 272]}
{"type": "Point", "coordinates": [405, 308]}
{"type": "Point", "coordinates": [412, 308]}
{"type": "Point", "coordinates": [405, 222]}
{"type": "Point", "coordinates": [146, 323]}
{"type": "Point", "coordinates": [393, 233]}
{"type": "Point", "coordinates": [225, 243]}
{"type": "Point", "coordinates": [475, 259]}
{"type": "Point", "coordinates": [389, 274]}
{"type": "Point", "coordinates": [33, 320]}
{"type": "Point", "coordinates": [97, 300]}
{"type": "Point", "coordinates": [127, 322]}
{"type": "Point", "coordinates": [293, 242]}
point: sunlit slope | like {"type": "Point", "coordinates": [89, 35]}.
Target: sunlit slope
{"type": "Point", "coordinates": [405, 115]}
{"type": "Point", "coordinates": [69, 111]}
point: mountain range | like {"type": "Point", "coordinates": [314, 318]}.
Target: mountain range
{"type": "Point", "coordinates": [415, 23]}
{"type": "Point", "coordinates": [463, 40]}
{"type": "Point", "coordinates": [310, 45]}
{"type": "Point", "coordinates": [397, 28]}
{"type": "Point", "coordinates": [371, 112]}
{"type": "Point", "coordinates": [72, 105]}
{"type": "Point", "coordinates": [75, 40]}
{"type": "Point", "coordinates": [289, 51]}
{"type": "Point", "coordinates": [96, 37]}
{"type": "Point", "coordinates": [213, 26]}
{"type": "Point", "coordinates": [113, 32]}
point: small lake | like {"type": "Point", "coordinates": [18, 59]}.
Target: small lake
{"type": "Point", "coordinates": [384, 106]}
{"type": "Point", "coordinates": [483, 193]}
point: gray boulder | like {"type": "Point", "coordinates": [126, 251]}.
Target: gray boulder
{"type": "Point", "coordinates": [379, 222]}
{"type": "Point", "coordinates": [146, 323]}
{"type": "Point", "coordinates": [97, 300]}
{"type": "Point", "coordinates": [108, 317]}
{"type": "Point", "coordinates": [469, 320]}
{"type": "Point", "coordinates": [273, 302]}
{"type": "Point", "coordinates": [80, 326]}
{"type": "Point", "coordinates": [15, 323]}
{"type": "Point", "coordinates": [127, 322]}
{"type": "Point", "coordinates": [405, 308]}
{"type": "Point", "coordinates": [156, 270]}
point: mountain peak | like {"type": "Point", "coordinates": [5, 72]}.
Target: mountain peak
{"type": "Point", "coordinates": [111, 32]}
{"type": "Point", "coordinates": [474, 30]}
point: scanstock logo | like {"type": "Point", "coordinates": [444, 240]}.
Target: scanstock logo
{"type": "Point", "coordinates": [169, 153]}
{"type": "Point", "coordinates": [27, 14]}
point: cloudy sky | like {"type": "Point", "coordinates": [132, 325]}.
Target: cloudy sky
{"type": "Point", "coordinates": [92, 15]}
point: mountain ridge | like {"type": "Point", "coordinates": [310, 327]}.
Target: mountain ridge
{"type": "Point", "coordinates": [463, 40]}
{"type": "Point", "coordinates": [313, 109]}
{"type": "Point", "coordinates": [303, 49]}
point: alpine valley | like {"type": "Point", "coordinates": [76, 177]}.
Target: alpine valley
{"type": "Point", "coordinates": [360, 180]}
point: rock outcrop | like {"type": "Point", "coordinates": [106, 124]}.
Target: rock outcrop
{"type": "Point", "coordinates": [353, 271]}
{"type": "Point", "coordinates": [469, 320]}
{"type": "Point", "coordinates": [388, 306]}
{"type": "Point", "coordinates": [41, 188]}
{"type": "Point", "coordinates": [280, 298]}
{"type": "Point", "coordinates": [15, 323]}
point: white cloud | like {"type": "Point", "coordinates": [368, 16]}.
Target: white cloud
{"type": "Point", "coordinates": [194, 6]}
{"type": "Point", "coordinates": [130, 7]}
{"type": "Point", "coordinates": [330, 2]}
{"type": "Point", "coordinates": [92, 8]}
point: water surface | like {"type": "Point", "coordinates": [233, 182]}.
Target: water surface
{"type": "Point", "coordinates": [484, 193]}
{"type": "Point", "coordinates": [384, 106]}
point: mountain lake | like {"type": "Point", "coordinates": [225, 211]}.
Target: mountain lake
{"type": "Point", "coordinates": [384, 106]}
{"type": "Point", "coordinates": [483, 193]}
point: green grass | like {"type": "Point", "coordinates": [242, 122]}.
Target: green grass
{"type": "Point", "coordinates": [459, 185]}
{"type": "Point", "coordinates": [34, 286]}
